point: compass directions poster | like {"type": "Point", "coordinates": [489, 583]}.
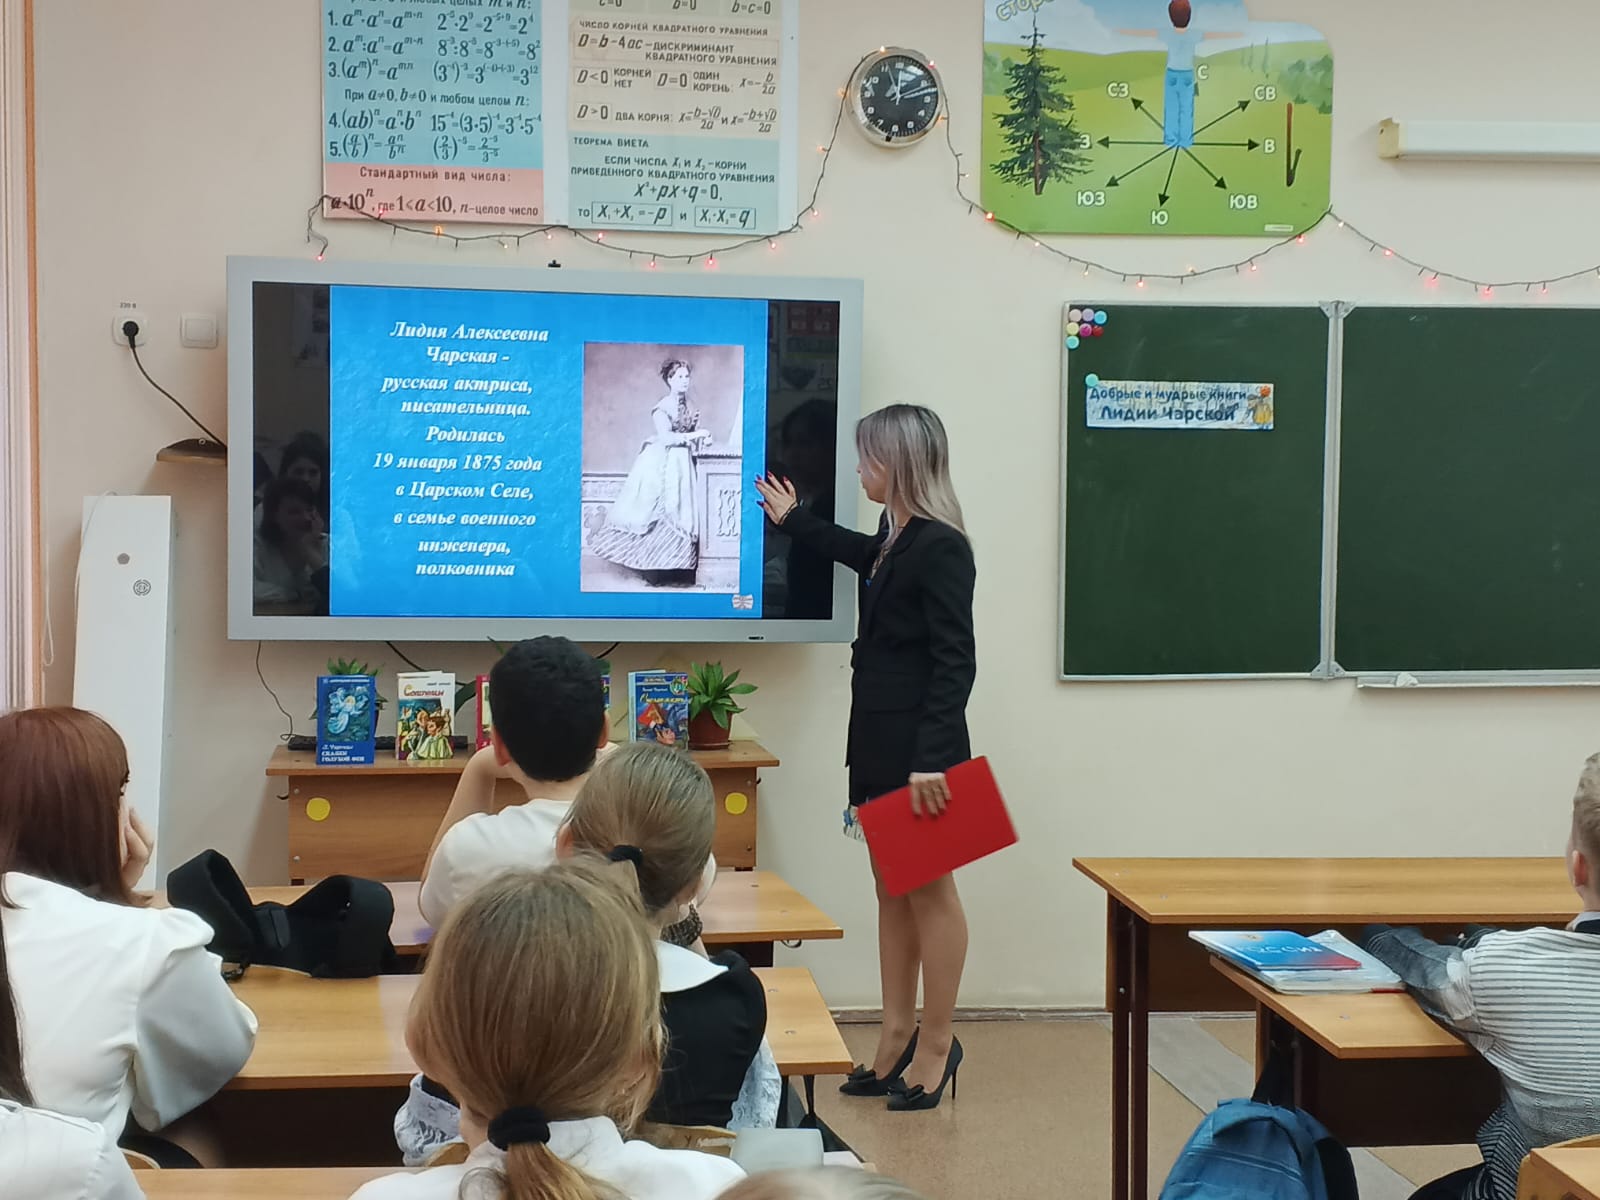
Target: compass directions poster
{"type": "Point", "coordinates": [1154, 117]}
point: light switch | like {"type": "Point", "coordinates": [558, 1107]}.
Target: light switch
{"type": "Point", "coordinates": [198, 330]}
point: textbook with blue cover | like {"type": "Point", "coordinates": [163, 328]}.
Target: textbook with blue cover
{"type": "Point", "coordinates": [1328, 962]}
{"type": "Point", "coordinates": [1273, 950]}
{"type": "Point", "coordinates": [347, 708]}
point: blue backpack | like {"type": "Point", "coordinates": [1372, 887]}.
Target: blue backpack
{"type": "Point", "coordinates": [1247, 1150]}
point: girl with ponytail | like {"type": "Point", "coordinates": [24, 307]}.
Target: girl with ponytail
{"type": "Point", "coordinates": [652, 812]}
{"type": "Point", "coordinates": [539, 1011]}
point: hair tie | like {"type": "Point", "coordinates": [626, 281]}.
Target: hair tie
{"type": "Point", "coordinates": [525, 1126]}
{"type": "Point", "coordinates": [628, 854]}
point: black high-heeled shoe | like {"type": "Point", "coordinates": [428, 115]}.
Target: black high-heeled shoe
{"type": "Point", "coordinates": [864, 1081]}
{"type": "Point", "coordinates": [918, 1099]}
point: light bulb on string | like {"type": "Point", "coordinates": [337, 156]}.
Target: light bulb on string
{"type": "Point", "coordinates": [1140, 283]}
{"type": "Point", "coordinates": [1301, 240]}
{"type": "Point", "coordinates": [988, 216]}
{"type": "Point", "coordinates": [1544, 289]}
{"type": "Point", "coordinates": [711, 262]}
{"type": "Point", "coordinates": [1388, 253]}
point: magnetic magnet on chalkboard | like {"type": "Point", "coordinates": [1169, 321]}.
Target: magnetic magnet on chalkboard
{"type": "Point", "coordinates": [1075, 314]}
{"type": "Point", "coordinates": [1073, 343]}
{"type": "Point", "coordinates": [1100, 317]}
{"type": "Point", "coordinates": [1091, 381]}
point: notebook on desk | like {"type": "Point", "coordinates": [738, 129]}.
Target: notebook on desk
{"type": "Point", "coordinates": [912, 851]}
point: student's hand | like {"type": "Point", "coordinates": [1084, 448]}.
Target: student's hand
{"type": "Point", "coordinates": [138, 847]}
{"type": "Point", "coordinates": [930, 794]}
{"type": "Point", "coordinates": [778, 497]}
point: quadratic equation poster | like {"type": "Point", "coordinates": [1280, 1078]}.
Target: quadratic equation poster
{"type": "Point", "coordinates": [670, 115]}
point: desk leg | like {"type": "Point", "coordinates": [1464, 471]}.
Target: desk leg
{"type": "Point", "coordinates": [1139, 1063]}
{"type": "Point", "coordinates": [1118, 962]}
{"type": "Point", "coordinates": [811, 1095]}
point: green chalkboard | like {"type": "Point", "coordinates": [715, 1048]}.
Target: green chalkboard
{"type": "Point", "coordinates": [1469, 516]}
{"type": "Point", "coordinates": [1197, 551]}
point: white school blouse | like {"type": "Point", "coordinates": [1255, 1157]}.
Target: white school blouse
{"type": "Point", "coordinates": [520, 837]}
{"type": "Point", "coordinates": [121, 1009]}
{"type": "Point", "coordinates": [45, 1156]}
{"type": "Point", "coordinates": [638, 1170]}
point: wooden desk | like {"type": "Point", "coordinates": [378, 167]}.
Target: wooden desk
{"type": "Point", "coordinates": [1375, 1069]}
{"type": "Point", "coordinates": [350, 1033]}
{"type": "Point", "coordinates": [745, 908]}
{"type": "Point", "coordinates": [1561, 1173]}
{"type": "Point", "coordinates": [378, 821]}
{"type": "Point", "coordinates": [320, 1183]}
{"type": "Point", "coordinates": [1152, 966]}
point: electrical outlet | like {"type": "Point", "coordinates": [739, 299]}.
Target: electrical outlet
{"type": "Point", "coordinates": [130, 312]}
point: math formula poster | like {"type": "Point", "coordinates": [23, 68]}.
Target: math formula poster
{"type": "Point", "coordinates": [671, 115]}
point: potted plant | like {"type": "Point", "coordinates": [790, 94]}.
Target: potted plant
{"type": "Point", "coordinates": [712, 705]}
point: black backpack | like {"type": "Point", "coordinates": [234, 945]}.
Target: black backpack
{"type": "Point", "coordinates": [337, 930]}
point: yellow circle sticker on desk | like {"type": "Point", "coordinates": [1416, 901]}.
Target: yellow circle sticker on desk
{"type": "Point", "coordinates": [736, 803]}
{"type": "Point", "coordinates": [318, 809]}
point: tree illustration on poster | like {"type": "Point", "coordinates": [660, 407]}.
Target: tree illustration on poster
{"type": "Point", "coordinates": [1204, 122]}
{"type": "Point", "coordinates": [1039, 128]}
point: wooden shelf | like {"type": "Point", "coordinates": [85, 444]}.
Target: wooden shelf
{"type": "Point", "coordinates": [748, 754]}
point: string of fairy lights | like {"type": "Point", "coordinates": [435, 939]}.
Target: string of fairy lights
{"type": "Point", "coordinates": [711, 257]}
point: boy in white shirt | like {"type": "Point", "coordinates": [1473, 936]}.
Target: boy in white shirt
{"type": "Point", "coordinates": [549, 725]}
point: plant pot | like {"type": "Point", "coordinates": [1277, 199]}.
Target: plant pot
{"type": "Point", "coordinates": [706, 734]}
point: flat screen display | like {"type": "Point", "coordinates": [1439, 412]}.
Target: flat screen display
{"type": "Point", "coordinates": [460, 454]}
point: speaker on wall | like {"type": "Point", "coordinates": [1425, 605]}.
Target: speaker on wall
{"type": "Point", "coordinates": [123, 667]}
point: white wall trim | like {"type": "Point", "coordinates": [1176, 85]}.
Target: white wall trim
{"type": "Point", "coordinates": [19, 504]}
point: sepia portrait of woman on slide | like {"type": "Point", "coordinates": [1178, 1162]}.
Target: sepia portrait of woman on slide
{"type": "Point", "coordinates": [654, 526]}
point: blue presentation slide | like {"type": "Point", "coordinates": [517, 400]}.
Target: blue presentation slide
{"type": "Point", "coordinates": [515, 454]}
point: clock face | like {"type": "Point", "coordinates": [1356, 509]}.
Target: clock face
{"type": "Point", "coordinates": [897, 98]}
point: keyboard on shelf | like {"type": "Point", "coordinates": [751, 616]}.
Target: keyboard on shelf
{"type": "Point", "coordinates": [303, 741]}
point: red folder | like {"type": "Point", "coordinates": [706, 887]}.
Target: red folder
{"type": "Point", "coordinates": [912, 851]}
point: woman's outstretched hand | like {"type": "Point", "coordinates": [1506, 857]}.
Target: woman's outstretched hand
{"type": "Point", "coordinates": [778, 498]}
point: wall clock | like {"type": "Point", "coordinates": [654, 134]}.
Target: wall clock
{"type": "Point", "coordinates": [896, 95]}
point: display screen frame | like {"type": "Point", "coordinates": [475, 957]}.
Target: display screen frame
{"type": "Point", "coordinates": [244, 624]}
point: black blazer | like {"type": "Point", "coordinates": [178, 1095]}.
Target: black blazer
{"type": "Point", "coordinates": [914, 658]}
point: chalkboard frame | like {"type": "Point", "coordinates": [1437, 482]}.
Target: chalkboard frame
{"type": "Point", "coordinates": [1326, 667]}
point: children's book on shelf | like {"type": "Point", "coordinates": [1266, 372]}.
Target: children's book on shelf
{"type": "Point", "coordinates": [423, 716]}
{"type": "Point", "coordinates": [347, 710]}
{"type": "Point", "coordinates": [658, 704]}
{"type": "Point", "coordinates": [485, 717]}
{"type": "Point", "coordinates": [1325, 962]}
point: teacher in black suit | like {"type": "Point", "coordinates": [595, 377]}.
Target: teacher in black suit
{"type": "Point", "coordinates": [913, 665]}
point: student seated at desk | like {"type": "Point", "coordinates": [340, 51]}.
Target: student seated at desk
{"type": "Point", "coordinates": [43, 1155]}
{"type": "Point", "coordinates": [549, 721]}
{"type": "Point", "coordinates": [122, 1008]}
{"type": "Point", "coordinates": [540, 1009]}
{"type": "Point", "coordinates": [1529, 1002]}
{"type": "Point", "coordinates": [656, 809]}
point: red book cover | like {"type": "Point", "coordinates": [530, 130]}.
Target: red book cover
{"type": "Point", "coordinates": [913, 851]}
{"type": "Point", "coordinates": [485, 717]}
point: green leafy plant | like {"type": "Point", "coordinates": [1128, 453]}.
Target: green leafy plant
{"type": "Point", "coordinates": [711, 691]}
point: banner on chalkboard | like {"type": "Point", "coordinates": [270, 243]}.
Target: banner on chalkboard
{"type": "Point", "coordinates": [1155, 404]}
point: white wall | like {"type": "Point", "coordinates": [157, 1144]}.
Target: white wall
{"type": "Point", "coordinates": [175, 132]}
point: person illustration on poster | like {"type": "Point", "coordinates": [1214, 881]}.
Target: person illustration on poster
{"type": "Point", "coordinates": [1181, 41]}
{"type": "Point", "coordinates": [654, 526]}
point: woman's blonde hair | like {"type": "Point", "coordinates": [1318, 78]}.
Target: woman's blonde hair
{"type": "Point", "coordinates": [908, 444]}
{"type": "Point", "coordinates": [820, 1183]}
{"type": "Point", "coordinates": [654, 800]}
{"type": "Point", "coordinates": [541, 992]}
